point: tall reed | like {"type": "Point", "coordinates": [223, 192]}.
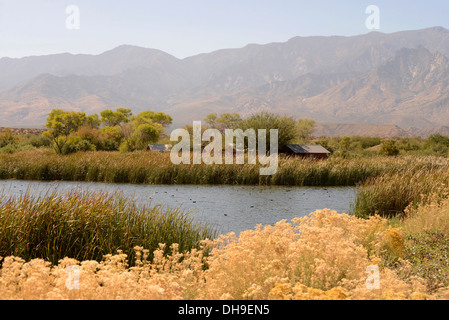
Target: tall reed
{"type": "Point", "coordinates": [156, 168]}
{"type": "Point", "coordinates": [87, 226]}
{"type": "Point", "coordinates": [390, 194]}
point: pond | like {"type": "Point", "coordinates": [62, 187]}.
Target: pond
{"type": "Point", "coordinates": [225, 208]}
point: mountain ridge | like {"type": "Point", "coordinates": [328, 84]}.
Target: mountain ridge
{"type": "Point", "coordinates": [398, 79]}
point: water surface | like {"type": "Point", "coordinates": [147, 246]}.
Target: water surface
{"type": "Point", "coordinates": [226, 208]}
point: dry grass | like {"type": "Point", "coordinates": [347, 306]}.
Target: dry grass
{"type": "Point", "coordinates": [322, 256]}
{"type": "Point", "coordinates": [432, 215]}
{"type": "Point", "coordinates": [426, 233]}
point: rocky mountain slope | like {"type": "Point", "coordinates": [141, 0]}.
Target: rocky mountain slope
{"type": "Point", "coordinates": [399, 79]}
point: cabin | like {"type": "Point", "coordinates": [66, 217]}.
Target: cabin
{"type": "Point", "coordinates": [159, 147]}
{"type": "Point", "coordinates": [316, 152]}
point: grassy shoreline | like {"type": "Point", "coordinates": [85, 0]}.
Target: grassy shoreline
{"type": "Point", "coordinates": [385, 185]}
{"type": "Point", "coordinates": [156, 168]}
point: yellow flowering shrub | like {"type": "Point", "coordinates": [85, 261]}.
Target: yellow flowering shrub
{"type": "Point", "coordinates": [323, 256]}
{"type": "Point", "coordinates": [301, 292]}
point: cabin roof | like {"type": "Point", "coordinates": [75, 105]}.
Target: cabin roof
{"type": "Point", "coordinates": [305, 149]}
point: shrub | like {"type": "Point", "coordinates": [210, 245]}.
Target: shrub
{"type": "Point", "coordinates": [389, 148]}
{"type": "Point", "coordinates": [38, 141]}
{"type": "Point", "coordinates": [111, 138]}
{"type": "Point", "coordinates": [77, 144]}
{"type": "Point", "coordinates": [9, 149]}
{"type": "Point", "coordinates": [322, 256]}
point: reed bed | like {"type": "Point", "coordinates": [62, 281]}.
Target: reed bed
{"type": "Point", "coordinates": [86, 226]}
{"type": "Point", "coordinates": [389, 195]}
{"type": "Point", "coordinates": [156, 168]}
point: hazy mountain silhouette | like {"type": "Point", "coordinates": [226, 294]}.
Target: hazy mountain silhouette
{"type": "Point", "coordinates": [390, 79]}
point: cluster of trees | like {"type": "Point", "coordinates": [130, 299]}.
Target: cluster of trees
{"type": "Point", "coordinates": [120, 130]}
{"type": "Point", "coordinates": [71, 132]}
{"type": "Point", "coordinates": [290, 130]}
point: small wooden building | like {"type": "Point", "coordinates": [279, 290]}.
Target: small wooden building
{"type": "Point", "coordinates": [159, 147]}
{"type": "Point", "coordinates": [306, 151]}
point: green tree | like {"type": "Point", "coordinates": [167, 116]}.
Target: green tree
{"type": "Point", "coordinates": [437, 144]}
{"type": "Point", "coordinates": [60, 125]}
{"type": "Point", "coordinates": [304, 129]}
{"type": "Point", "coordinates": [146, 133]}
{"type": "Point", "coordinates": [211, 120]}
{"type": "Point", "coordinates": [111, 118]}
{"type": "Point", "coordinates": [438, 139]}
{"type": "Point", "coordinates": [74, 131]}
{"type": "Point", "coordinates": [389, 148]}
{"type": "Point", "coordinates": [225, 121]}
{"type": "Point", "coordinates": [126, 112]}
{"type": "Point", "coordinates": [142, 130]}
{"type": "Point", "coordinates": [93, 121]}
{"type": "Point", "coordinates": [161, 118]}
{"type": "Point", "coordinates": [111, 138]}
{"type": "Point", "coordinates": [128, 141]}
{"type": "Point", "coordinates": [286, 127]}
{"type": "Point", "coordinates": [345, 144]}
{"type": "Point", "coordinates": [229, 121]}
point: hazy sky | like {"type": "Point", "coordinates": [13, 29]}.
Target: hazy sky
{"type": "Point", "coordinates": [188, 27]}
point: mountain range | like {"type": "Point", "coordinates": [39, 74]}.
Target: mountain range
{"type": "Point", "coordinates": [399, 79]}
